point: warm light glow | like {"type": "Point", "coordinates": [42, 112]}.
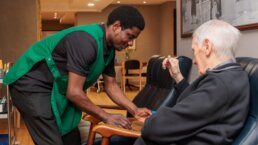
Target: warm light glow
{"type": "Point", "coordinates": [91, 4]}
{"type": "Point", "coordinates": [55, 15]}
{"type": "Point", "coordinates": [118, 2]}
{"type": "Point", "coordinates": [144, 2]}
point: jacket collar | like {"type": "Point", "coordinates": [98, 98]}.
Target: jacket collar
{"type": "Point", "coordinates": [227, 65]}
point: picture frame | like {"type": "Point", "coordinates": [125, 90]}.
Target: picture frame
{"type": "Point", "coordinates": [242, 14]}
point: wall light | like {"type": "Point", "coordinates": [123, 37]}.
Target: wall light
{"type": "Point", "coordinates": [55, 15]}
{"type": "Point", "coordinates": [91, 4]}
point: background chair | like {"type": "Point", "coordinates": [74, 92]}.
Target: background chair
{"type": "Point", "coordinates": [132, 70]}
{"type": "Point", "coordinates": [99, 82]}
{"type": "Point", "coordinates": [249, 133]}
{"type": "Point", "coordinates": [158, 91]}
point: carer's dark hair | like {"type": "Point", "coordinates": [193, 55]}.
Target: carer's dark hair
{"type": "Point", "coordinates": [128, 16]}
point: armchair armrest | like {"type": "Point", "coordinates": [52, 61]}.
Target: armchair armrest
{"type": "Point", "coordinates": [107, 131]}
{"type": "Point", "coordinates": [91, 119]}
{"type": "Point", "coordinates": [94, 121]}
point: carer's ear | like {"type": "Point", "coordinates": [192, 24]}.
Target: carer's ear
{"type": "Point", "coordinates": [116, 26]}
{"type": "Point", "coordinates": [207, 46]}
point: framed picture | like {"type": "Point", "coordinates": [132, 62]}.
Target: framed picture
{"type": "Point", "coordinates": [240, 13]}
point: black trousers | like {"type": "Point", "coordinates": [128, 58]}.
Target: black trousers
{"type": "Point", "coordinates": [35, 109]}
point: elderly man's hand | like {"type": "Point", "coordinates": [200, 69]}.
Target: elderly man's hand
{"type": "Point", "coordinates": [172, 64]}
{"type": "Point", "coordinates": [142, 113]}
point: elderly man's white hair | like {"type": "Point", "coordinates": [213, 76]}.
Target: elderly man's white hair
{"type": "Point", "coordinates": [223, 36]}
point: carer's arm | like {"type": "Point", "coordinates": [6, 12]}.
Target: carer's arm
{"type": "Point", "coordinates": [77, 96]}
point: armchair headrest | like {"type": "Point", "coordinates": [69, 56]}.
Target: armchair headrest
{"type": "Point", "coordinates": [185, 64]}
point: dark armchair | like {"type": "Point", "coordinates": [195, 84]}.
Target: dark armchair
{"type": "Point", "coordinates": [249, 134]}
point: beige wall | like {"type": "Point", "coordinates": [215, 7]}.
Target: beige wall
{"type": "Point", "coordinates": [248, 44]}
{"type": "Point", "coordinates": [167, 32]}
{"type": "Point", "coordinates": [158, 30]}
{"type": "Point", "coordinates": [18, 27]}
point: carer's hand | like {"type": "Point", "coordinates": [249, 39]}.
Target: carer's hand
{"type": "Point", "coordinates": [142, 113]}
{"type": "Point", "coordinates": [118, 120]}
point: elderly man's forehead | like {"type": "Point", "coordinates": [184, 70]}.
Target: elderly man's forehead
{"type": "Point", "coordinates": [194, 40]}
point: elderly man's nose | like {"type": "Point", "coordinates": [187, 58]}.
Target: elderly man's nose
{"type": "Point", "coordinates": [194, 61]}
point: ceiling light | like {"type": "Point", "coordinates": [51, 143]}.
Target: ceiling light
{"type": "Point", "coordinates": [91, 4]}
{"type": "Point", "coordinates": [118, 2]}
{"type": "Point", "coordinates": [144, 2]}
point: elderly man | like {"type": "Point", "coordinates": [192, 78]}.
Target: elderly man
{"type": "Point", "coordinates": [211, 110]}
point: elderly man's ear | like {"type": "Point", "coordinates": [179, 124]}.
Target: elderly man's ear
{"type": "Point", "coordinates": [208, 47]}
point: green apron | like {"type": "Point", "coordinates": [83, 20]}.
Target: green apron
{"type": "Point", "coordinates": [66, 114]}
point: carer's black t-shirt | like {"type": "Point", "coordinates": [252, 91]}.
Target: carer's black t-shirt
{"type": "Point", "coordinates": [75, 53]}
